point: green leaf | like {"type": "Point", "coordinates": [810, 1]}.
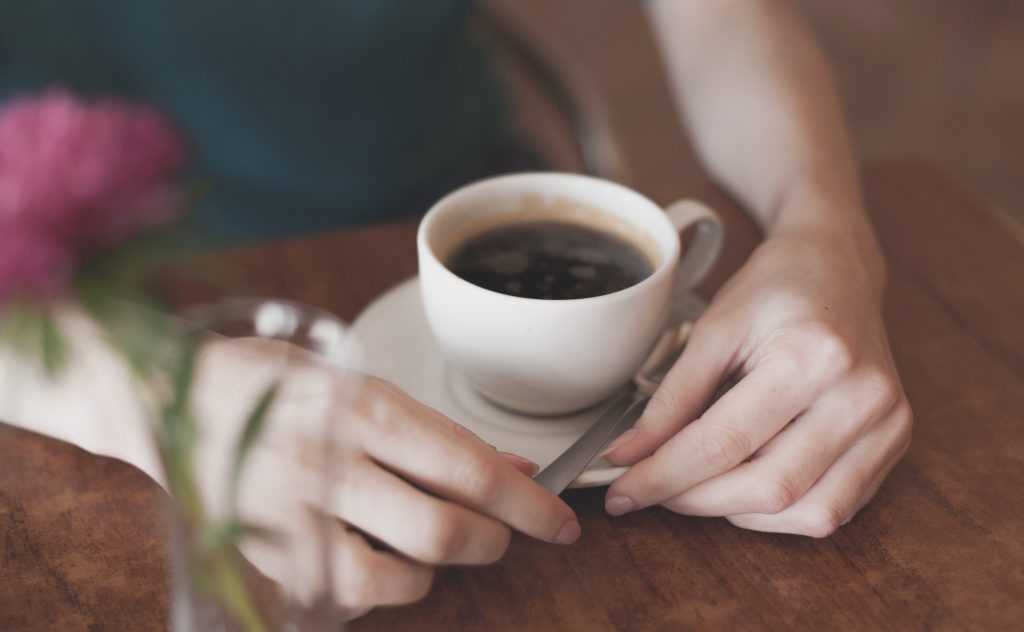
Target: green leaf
{"type": "Point", "coordinates": [19, 324]}
{"type": "Point", "coordinates": [31, 330]}
{"type": "Point", "coordinates": [177, 431]}
{"type": "Point", "coordinates": [54, 347]}
{"type": "Point", "coordinates": [96, 297]}
{"type": "Point", "coordinates": [219, 538]}
{"type": "Point", "coordinates": [185, 372]}
{"type": "Point", "coordinates": [251, 431]}
{"type": "Point", "coordinates": [132, 323]}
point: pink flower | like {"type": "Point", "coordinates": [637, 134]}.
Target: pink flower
{"type": "Point", "coordinates": [79, 176]}
{"type": "Point", "coordinates": [31, 263]}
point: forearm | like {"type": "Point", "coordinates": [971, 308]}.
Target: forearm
{"type": "Point", "coordinates": [91, 404]}
{"type": "Point", "coordinates": [760, 103]}
{"type": "Point", "coordinates": [99, 404]}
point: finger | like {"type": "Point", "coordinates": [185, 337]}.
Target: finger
{"type": "Point", "coordinates": [364, 578]}
{"type": "Point", "coordinates": [840, 492]}
{"type": "Point", "coordinates": [872, 488]}
{"type": "Point", "coordinates": [683, 395]}
{"type": "Point", "coordinates": [791, 462]}
{"type": "Point", "coordinates": [293, 556]}
{"type": "Point", "coordinates": [526, 466]}
{"type": "Point", "coordinates": [445, 461]}
{"type": "Point", "coordinates": [739, 423]}
{"type": "Point", "coordinates": [361, 577]}
{"type": "Point", "coordinates": [425, 528]}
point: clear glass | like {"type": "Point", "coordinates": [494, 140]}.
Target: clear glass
{"type": "Point", "coordinates": [309, 383]}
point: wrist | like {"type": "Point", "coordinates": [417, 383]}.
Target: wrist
{"type": "Point", "coordinates": [832, 219]}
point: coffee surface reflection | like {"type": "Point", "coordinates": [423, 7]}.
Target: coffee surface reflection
{"type": "Point", "coordinates": [551, 260]}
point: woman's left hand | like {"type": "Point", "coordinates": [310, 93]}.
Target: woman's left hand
{"type": "Point", "coordinates": [817, 419]}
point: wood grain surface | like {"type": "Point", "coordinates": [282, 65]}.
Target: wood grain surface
{"type": "Point", "coordinates": [941, 546]}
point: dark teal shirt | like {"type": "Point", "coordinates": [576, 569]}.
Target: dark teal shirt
{"type": "Point", "coordinates": [302, 114]}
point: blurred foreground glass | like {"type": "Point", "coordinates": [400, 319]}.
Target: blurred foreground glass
{"type": "Point", "coordinates": [248, 457]}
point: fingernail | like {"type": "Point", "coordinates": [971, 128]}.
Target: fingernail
{"type": "Point", "coordinates": [618, 505]}
{"type": "Point", "coordinates": [621, 440]}
{"type": "Point", "coordinates": [569, 532]}
{"type": "Point", "coordinates": [515, 458]}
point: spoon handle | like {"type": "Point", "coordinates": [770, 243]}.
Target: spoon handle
{"type": "Point", "coordinates": [622, 413]}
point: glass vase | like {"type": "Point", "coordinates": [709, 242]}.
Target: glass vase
{"type": "Point", "coordinates": [254, 380]}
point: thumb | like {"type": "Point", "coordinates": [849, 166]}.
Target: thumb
{"type": "Point", "coordinates": [682, 397]}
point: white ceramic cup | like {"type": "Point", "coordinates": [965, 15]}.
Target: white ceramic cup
{"type": "Point", "coordinates": [549, 357]}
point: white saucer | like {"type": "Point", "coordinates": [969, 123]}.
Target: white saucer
{"type": "Point", "coordinates": [399, 347]}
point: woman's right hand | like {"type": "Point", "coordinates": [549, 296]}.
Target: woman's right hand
{"type": "Point", "coordinates": [410, 489]}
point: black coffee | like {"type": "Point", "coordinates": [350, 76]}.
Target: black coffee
{"type": "Point", "coordinates": [549, 260]}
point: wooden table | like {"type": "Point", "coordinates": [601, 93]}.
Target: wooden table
{"type": "Point", "coordinates": [941, 547]}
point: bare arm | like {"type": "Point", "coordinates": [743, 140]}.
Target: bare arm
{"type": "Point", "coordinates": [818, 417]}
{"type": "Point", "coordinates": [761, 104]}
{"type": "Point", "coordinates": [401, 471]}
{"type": "Point", "coordinates": [90, 404]}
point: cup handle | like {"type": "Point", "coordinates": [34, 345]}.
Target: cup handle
{"type": "Point", "coordinates": [693, 266]}
{"type": "Point", "coordinates": [703, 253]}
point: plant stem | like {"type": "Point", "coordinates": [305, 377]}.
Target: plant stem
{"type": "Point", "coordinates": [230, 584]}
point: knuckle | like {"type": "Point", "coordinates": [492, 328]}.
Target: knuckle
{"type": "Point", "coordinates": [356, 588]}
{"type": "Point", "coordinates": [375, 408]}
{"type": "Point", "coordinates": [786, 353]}
{"type": "Point", "coordinates": [442, 539]}
{"type": "Point", "coordinates": [455, 427]}
{"type": "Point", "coordinates": [421, 587]}
{"type": "Point", "coordinates": [817, 347]}
{"type": "Point", "coordinates": [712, 336]}
{"type": "Point", "coordinates": [880, 385]}
{"type": "Point", "coordinates": [834, 352]}
{"type": "Point", "coordinates": [498, 545]}
{"type": "Point", "coordinates": [775, 495]}
{"type": "Point", "coordinates": [709, 334]}
{"type": "Point", "coordinates": [720, 447]}
{"type": "Point", "coordinates": [479, 480]}
{"type": "Point", "coordinates": [739, 521]}
{"type": "Point", "coordinates": [821, 521]}
{"type": "Point", "coordinates": [791, 359]}
{"type": "Point", "coordinates": [351, 489]}
{"type": "Point", "coordinates": [663, 404]}
{"type": "Point", "coordinates": [903, 420]}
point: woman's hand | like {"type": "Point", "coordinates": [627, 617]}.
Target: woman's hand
{"type": "Point", "coordinates": [408, 490]}
{"type": "Point", "coordinates": [814, 425]}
